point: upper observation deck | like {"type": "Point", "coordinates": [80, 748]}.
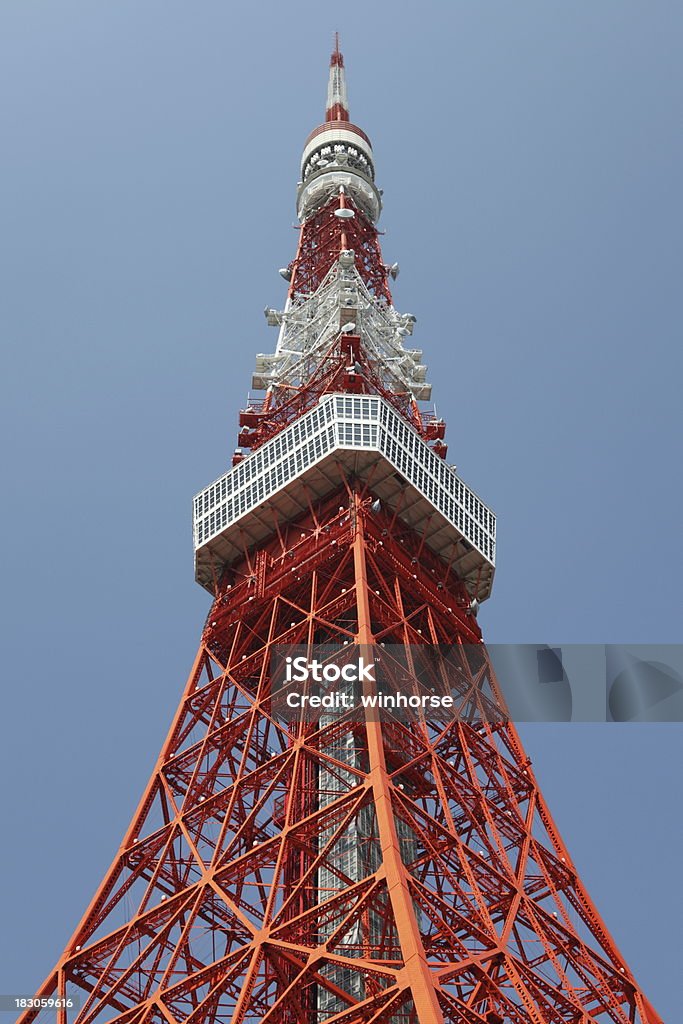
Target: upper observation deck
{"type": "Point", "coordinates": [363, 435]}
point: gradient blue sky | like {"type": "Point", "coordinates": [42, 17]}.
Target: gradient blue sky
{"type": "Point", "coordinates": [531, 159]}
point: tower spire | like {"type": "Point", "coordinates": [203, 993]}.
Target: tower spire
{"type": "Point", "coordinates": [338, 202]}
{"type": "Point", "coordinates": [337, 100]}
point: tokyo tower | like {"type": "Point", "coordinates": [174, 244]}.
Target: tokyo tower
{"type": "Point", "coordinates": [292, 864]}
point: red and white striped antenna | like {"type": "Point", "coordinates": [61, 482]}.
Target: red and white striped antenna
{"type": "Point", "coordinates": [337, 101]}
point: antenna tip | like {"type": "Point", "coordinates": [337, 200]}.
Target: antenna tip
{"type": "Point", "coordinates": [337, 57]}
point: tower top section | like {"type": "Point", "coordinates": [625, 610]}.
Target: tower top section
{"type": "Point", "coordinates": [337, 154]}
{"type": "Point", "coordinates": [342, 388]}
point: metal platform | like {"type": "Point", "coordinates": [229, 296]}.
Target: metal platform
{"type": "Point", "coordinates": [367, 437]}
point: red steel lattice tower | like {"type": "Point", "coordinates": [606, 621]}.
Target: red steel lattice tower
{"type": "Point", "coordinates": [339, 869]}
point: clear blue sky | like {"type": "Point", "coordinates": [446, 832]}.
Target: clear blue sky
{"type": "Point", "coordinates": [531, 159]}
